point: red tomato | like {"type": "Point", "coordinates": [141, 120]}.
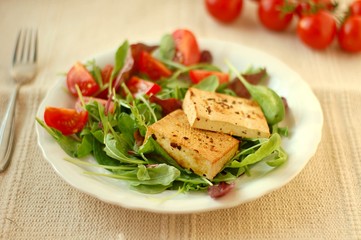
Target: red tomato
{"type": "Point", "coordinates": [67, 121]}
{"type": "Point", "coordinates": [79, 75]}
{"type": "Point", "coordinates": [349, 35]}
{"type": "Point", "coordinates": [137, 49]}
{"type": "Point", "coordinates": [152, 67]}
{"type": "Point", "coordinates": [355, 8]}
{"type": "Point", "coordinates": [198, 75]}
{"type": "Point", "coordinates": [317, 30]}
{"type": "Point", "coordinates": [271, 16]}
{"type": "Point", "coordinates": [106, 73]}
{"type": "Point", "coordinates": [187, 49]}
{"type": "Point", "coordinates": [139, 86]}
{"type": "Point", "coordinates": [304, 7]}
{"type": "Point", "coordinates": [326, 4]}
{"type": "Point", "coordinates": [224, 10]}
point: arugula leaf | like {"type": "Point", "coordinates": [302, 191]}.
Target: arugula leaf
{"type": "Point", "coordinates": [280, 157]}
{"type": "Point", "coordinates": [85, 147]}
{"type": "Point", "coordinates": [283, 131]}
{"type": "Point", "coordinates": [269, 146]}
{"type": "Point", "coordinates": [161, 174]}
{"type": "Point", "coordinates": [96, 72]}
{"type": "Point", "coordinates": [227, 177]}
{"type": "Point", "coordinates": [167, 47]}
{"type": "Point", "coordinates": [100, 156]}
{"type": "Point", "coordinates": [146, 179]}
{"type": "Point", "coordinates": [158, 154]}
{"type": "Point", "coordinates": [120, 57]}
{"type": "Point", "coordinates": [67, 143]}
{"type": "Point", "coordinates": [126, 126]}
{"type": "Point", "coordinates": [209, 84]}
{"type": "Point", "coordinates": [118, 150]}
{"type": "Point", "coordinates": [150, 189]}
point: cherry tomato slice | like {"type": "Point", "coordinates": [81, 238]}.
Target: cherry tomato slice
{"type": "Point", "coordinates": [137, 49]}
{"type": "Point", "coordinates": [271, 16]}
{"type": "Point", "coordinates": [187, 49]}
{"type": "Point", "coordinates": [106, 73]}
{"type": "Point", "coordinates": [198, 75]}
{"type": "Point", "coordinates": [355, 8]}
{"type": "Point", "coordinates": [349, 35]}
{"type": "Point", "coordinates": [67, 121]}
{"type": "Point", "coordinates": [79, 75]}
{"type": "Point", "coordinates": [225, 11]}
{"type": "Point", "coordinates": [138, 86]}
{"type": "Point", "coordinates": [317, 30]}
{"type": "Point", "coordinates": [152, 67]}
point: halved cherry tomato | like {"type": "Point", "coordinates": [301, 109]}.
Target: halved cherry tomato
{"type": "Point", "coordinates": [137, 49]}
{"type": "Point", "coordinates": [152, 67]}
{"type": "Point", "coordinates": [271, 16]}
{"type": "Point", "coordinates": [187, 49]}
{"type": "Point", "coordinates": [225, 11]}
{"type": "Point", "coordinates": [139, 86]}
{"type": "Point", "coordinates": [68, 121]}
{"type": "Point", "coordinates": [78, 104]}
{"type": "Point", "coordinates": [355, 8]}
{"type": "Point", "coordinates": [199, 74]}
{"type": "Point", "coordinates": [317, 30]}
{"type": "Point", "coordinates": [79, 75]}
{"type": "Point", "coordinates": [349, 35]}
{"type": "Point", "coordinates": [106, 73]}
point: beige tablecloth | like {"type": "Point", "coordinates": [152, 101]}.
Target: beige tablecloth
{"type": "Point", "coordinates": [322, 202]}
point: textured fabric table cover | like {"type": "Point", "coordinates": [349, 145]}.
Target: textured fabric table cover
{"type": "Point", "coordinates": [322, 202]}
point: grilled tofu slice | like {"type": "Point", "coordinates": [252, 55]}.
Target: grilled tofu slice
{"type": "Point", "coordinates": [223, 113]}
{"type": "Point", "coordinates": [203, 152]}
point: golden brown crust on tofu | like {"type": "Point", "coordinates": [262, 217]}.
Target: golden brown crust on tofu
{"type": "Point", "coordinates": [223, 113]}
{"type": "Point", "coordinates": [203, 152]}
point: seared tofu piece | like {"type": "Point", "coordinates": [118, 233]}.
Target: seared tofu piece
{"type": "Point", "coordinates": [203, 152]}
{"type": "Point", "coordinates": [223, 113]}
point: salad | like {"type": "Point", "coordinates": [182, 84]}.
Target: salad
{"type": "Point", "coordinates": [115, 104]}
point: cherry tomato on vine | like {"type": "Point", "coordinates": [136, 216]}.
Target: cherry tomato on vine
{"type": "Point", "coordinates": [317, 30]}
{"type": "Point", "coordinates": [355, 8]}
{"type": "Point", "coordinates": [306, 7]}
{"type": "Point", "coordinates": [349, 34]}
{"type": "Point", "coordinates": [67, 121]}
{"type": "Point", "coordinates": [225, 11]}
{"type": "Point", "coordinates": [79, 75]}
{"type": "Point", "coordinates": [271, 16]}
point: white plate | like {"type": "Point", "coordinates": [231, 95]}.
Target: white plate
{"type": "Point", "coordinates": [305, 121]}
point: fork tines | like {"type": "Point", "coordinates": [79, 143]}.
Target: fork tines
{"type": "Point", "coordinates": [26, 46]}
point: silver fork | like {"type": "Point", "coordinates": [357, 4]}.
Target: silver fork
{"type": "Point", "coordinates": [23, 70]}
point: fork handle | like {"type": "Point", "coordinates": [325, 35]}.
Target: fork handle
{"type": "Point", "coordinates": [7, 131]}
